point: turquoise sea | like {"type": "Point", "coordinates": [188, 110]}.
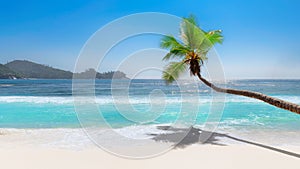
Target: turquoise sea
{"type": "Point", "coordinates": [44, 104]}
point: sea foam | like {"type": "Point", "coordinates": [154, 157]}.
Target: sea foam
{"type": "Point", "coordinates": [134, 100]}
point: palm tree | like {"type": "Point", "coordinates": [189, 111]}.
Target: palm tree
{"type": "Point", "coordinates": [192, 53]}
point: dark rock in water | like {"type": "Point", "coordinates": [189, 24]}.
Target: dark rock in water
{"type": "Point", "coordinates": [6, 73]}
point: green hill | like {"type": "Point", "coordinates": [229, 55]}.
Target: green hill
{"type": "Point", "coordinates": [6, 73]}
{"type": "Point", "coordinates": [33, 70]}
{"type": "Point", "coordinates": [92, 73]}
{"type": "Point", "coordinates": [27, 69]}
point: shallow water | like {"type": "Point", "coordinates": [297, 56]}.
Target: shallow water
{"type": "Point", "coordinates": [37, 104]}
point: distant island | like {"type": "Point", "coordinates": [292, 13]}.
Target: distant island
{"type": "Point", "coordinates": [23, 69]}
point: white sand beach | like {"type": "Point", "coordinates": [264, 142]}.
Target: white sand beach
{"type": "Point", "coordinates": [227, 157]}
{"type": "Point", "coordinates": [40, 152]}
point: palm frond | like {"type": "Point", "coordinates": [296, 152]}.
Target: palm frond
{"type": "Point", "coordinates": [177, 50]}
{"type": "Point", "coordinates": [176, 53]}
{"type": "Point", "coordinates": [211, 38]}
{"type": "Point", "coordinates": [173, 71]}
{"type": "Point", "coordinates": [168, 42]}
{"type": "Point", "coordinates": [192, 19]}
{"type": "Point", "coordinates": [215, 36]}
{"type": "Point", "coordinates": [202, 54]}
{"type": "Point", "coordinates": [193, 51]}
{"type": "Point", "coordinates": [190, 33]}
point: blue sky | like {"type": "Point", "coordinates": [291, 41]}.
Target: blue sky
{"type": "Point", "coordinates": [261, 37]}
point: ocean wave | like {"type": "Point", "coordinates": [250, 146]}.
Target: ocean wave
{"type": "Point", "coordinates": [35, 99]}
{"type": "Point", "coordinates": [6, 85]}
{"type": "Point", "coordinates": [135, 100]}
{"type": "Point", "coordinates": [142, 131]}
{"type": "Point", "coordinates": [98, 100]}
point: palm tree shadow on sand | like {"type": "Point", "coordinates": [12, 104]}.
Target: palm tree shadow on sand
{"type": "Point", "coordinates": [193, 137]}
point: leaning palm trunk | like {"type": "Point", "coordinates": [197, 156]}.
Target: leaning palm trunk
{"type": "Point", "coordinates": [271, 100]}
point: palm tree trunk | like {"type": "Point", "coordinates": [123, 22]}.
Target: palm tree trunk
{"type": "Point", "coordinates": [268, 99]}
